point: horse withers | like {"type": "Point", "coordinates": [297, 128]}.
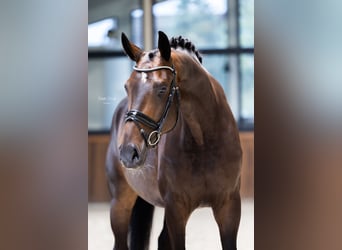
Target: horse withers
{"type": "Point", "coordinates": [174, 144]}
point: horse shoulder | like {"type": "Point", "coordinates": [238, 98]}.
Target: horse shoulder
{"type": "Point", "coordinates": [231, 137]}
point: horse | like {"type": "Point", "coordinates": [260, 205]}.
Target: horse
{"type": "Point", "coordinates": [174, 143]}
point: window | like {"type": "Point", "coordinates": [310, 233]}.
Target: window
{"type": "Point", "coordinates": [195, 20]}
{"type": "Point", "coordinates": [108, 66]}
{"type": "Point", "coordinates": [223, 30]}
{"type": "Point", "coordinates": [106, 77]}
{"type": "Point", "coordinates": [101, 34]}
{"type": "Point", "coordinates": [246, 20]}
{"type": "Point", "coordinates": [247, 87]}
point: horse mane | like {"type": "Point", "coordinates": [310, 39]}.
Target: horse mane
{"type": "Point", "coordinates": [186, 44]}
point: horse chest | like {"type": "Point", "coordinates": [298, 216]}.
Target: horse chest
{"type": "Point", "coordinates": [144, 182]}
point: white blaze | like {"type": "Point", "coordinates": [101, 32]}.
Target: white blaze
{"type": "Point", "coordinates": [144, 77]}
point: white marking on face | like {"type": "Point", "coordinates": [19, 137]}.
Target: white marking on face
{"type": "Point", "coordinates": [144, 77]}
{"type": "Point", "coordinates": [164, 74]}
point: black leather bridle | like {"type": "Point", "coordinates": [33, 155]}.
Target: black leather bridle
{"type": "Point", "coordinates": [152, 139]}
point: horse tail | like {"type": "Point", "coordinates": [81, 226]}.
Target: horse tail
{"type": "Point", "coordinates": [140, 225]}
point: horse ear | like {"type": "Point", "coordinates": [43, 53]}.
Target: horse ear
{"type": "Point", "coordinates": [133, 51]}
{"type": "Point", "coordinates": [164, 45]}
{"type": "Point", "coordinates": [192, 122]}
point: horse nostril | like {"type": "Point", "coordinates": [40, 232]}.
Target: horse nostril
{"type": "Point", "coordinates": [129, 155]}
{"type": "Point", "coordinates": [135, 155]}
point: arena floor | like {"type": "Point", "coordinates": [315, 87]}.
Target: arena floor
{"type": "Point", "coordinates": [201, 232]}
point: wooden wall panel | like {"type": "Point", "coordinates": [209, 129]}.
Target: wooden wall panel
{"type": "Point", "coordinates": [97, 183]}
{"type": "Point", "coordinates": [247, 172]}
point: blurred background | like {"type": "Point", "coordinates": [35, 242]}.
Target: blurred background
{"type": "Point", "coordinates": [223, 31]}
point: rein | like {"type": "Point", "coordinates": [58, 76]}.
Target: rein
{"type": "Point", "coordinates": [152, 139]}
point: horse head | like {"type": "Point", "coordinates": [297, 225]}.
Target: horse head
{"type": "Point", "coordinates": [151, 93]}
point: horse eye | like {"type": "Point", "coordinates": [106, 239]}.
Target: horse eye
{"type": "Point", "coordinates": [125, 87]}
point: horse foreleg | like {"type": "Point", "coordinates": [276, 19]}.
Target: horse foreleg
{"type": "Point", "coordinates": [164, 240]}
{"type": "Point", "coordinates": [176, 217]}
{"type": "Point", "coordinates": [140, 225]}
{"type": "Point", "coordinates": [120, 215]}
{"type": "Point", "coordinates": [227, 216]}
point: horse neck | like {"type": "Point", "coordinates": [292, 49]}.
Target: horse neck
{"type": "Point", "coordinates": [197, 91]}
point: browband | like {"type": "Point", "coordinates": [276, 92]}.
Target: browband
{"type": "Point", "coordinates": [154, 69]}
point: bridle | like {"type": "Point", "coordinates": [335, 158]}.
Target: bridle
{"type": "Point", "coordinates": [152, 139]}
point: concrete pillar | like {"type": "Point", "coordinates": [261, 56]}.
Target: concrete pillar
{"type": "Point", "coordinates": [148, 24]}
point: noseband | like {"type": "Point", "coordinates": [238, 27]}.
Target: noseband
{"type": "Point", "coordinates": [152, 139]}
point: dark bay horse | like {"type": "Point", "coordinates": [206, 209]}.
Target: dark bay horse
{"type": "Point", "coordinates": [175, 144]}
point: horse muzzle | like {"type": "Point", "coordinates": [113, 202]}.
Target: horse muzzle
{"type": "Point", "coordinates": [130, 156]}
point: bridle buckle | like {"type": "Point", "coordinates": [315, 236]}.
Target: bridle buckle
{"type": "Point", "coordinates": [153, 138]}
